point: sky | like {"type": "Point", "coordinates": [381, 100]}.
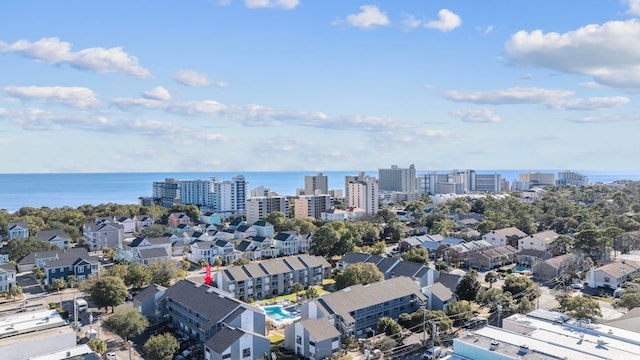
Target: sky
{"type": "Point", "coordinates": [312, 85]}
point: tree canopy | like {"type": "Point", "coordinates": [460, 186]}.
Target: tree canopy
{"type": "Point", "coordinates": [358, 273]}
{"type": "Point", "coordinates": [161, 347]}
{"type": "Point", "coordinates": [106, 291]}
{"type": "Point", "coordinates": [581, 307]}
{"type": "Point", "coordinates": [19, 248]}
{"type": "Point", "coordinates": [468, 287]}
{"type": "Point", "coordinates": [126, 323]}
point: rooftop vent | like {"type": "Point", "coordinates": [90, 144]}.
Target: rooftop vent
{"type": "Point", "coordinates": [494, 345]}
{"type": "Point", "coordinates": [523, 349]}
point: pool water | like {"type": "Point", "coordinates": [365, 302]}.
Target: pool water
{"type": "Point", "coordinates": [521, 268]}
{"type": "Point", "coordinates": [278, 313]}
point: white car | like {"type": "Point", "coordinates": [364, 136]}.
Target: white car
{"type": "Point", "coordinates": [577, 286]}
{"type": "Point", "coordinates": [111, 355]}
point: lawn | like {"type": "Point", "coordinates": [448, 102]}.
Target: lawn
{"type": "Point", "coordinates": [292, 297]}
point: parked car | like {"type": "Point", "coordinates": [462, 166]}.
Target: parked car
{"type": "Point", "coordinates": [577, 286]}
{"type": "Point", "coordinates": [111, 355]}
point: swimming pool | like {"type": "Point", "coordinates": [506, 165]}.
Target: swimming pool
{"type": "Point", "coordinates": [277, 313]}
{"type": "Point", "coordinates": [521, 268]}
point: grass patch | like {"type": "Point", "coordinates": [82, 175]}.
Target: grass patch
{"type": "Point", "coordinates": [275, 338]}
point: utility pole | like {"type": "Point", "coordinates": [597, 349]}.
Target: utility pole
{"type": "Point", "coordinates": [434, 331]}
{"type": "Point", "coordinates": [75, 310]}
{"type": "Point", "coordinates": [424, 329]}
{"type": "Point", "coordinates": [499, 315]}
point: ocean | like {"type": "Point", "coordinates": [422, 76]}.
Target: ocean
{"type": "Point", "coordinates": [59, 190]}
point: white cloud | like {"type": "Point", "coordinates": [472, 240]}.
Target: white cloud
{"type": "Point", "coordinates": [127, 104]}
{"type": "Point", "coordinates": [37, 119]}
{"type": "Point", "coordinates": [194, 78]}
{"type": "Point", "coordinates": [605, 118]}
{"type": "Point", "coordinates": [447, 21]}
{"type": "Point", "coordinates": [369, 17]}
{"type": "Point", "coordinates": [634, 7]}
{"type": "Point", "coordinates": [97, 59]}
{"type": "Point", "coordinates": [79, 97]}
{"type": "Point", "coordinates": [410, 22]}
{"type": "Point", "coordinates": [515, 95]}
{"type": "Point", "coordinates": [281, 4]}
{"type": "Point", "coordinates": [157, 93]}
{"type": "Point", "coordinates": [205, 107]}
{"type": "Point", "coordinates": [592, 103]}
{"type": "Point", "coordinates": [477, 116]}
{"type": "Point", "coordinates": [609, 53]}
{"type": "Point", "coordinates": [590, 84]}
{"type": "Point", "coordinates": [485, 30]}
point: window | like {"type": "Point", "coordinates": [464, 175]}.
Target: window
{"type": "Point", "coordinates": [246, 352]}
{"type": "Point", "coordinates": [606, 279]}
{"type": "Point", "coordinates": [299, 340]}
{"type": "Point", "coordinates": [226, 356]}
{"type": "Point", "coordinates": [312, 343]}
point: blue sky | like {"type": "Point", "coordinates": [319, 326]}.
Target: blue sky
{"type": "Point", "coordinates": [268, 85]}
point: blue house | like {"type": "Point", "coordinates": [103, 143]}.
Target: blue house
{"type": "Point", "coordinates": [60, 264]}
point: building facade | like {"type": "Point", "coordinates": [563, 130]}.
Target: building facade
{"type": "Point", "coordinates": [315, 183]}
{"type": "Point", "coordinates": [311, 206]}
{"type": "Point", "coordinates": [397, 179]}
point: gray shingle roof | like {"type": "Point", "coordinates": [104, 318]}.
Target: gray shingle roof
{"type": "Point", "coordinates": [152, 253]}
{"type": "Point", "coordinates": [355, 257]}
{"type": "Point", "coordinates": [150, 290]}
{"type": "Point", "coordinates": [320, 329]}
{"type": "Point", "coordinates": [46, 235]}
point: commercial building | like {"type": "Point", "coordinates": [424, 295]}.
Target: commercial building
{"type": "Point", "coordinates": [311, 206]}
{"type": "Point", "coordinates": [315, 183]}
{"type": "Point", "coordinates": [195, 192]}
{"type": "Point", "coordinates": [538, 178]}
{"type": "Point", "coordinates": [397, 179]}
{"type": "Point", "coordinates": [260, 206]}
{"type": "Point", "coordinates": [544, 335]}
{"type": "Point", "coordinates": [167, 191]}
{"type": "Point", "coordinates": [572, 178]}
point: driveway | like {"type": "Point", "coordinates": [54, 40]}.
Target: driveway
{"type": "Point", "coordinates": [28, 284]}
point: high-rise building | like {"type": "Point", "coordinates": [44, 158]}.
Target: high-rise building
{"type": "Point", "coordinates": [168, 191]}
{"type": "Point", "coordinates": [397, 179]}
{"type": "Point", "coordinates": [538, 178]}
{"type": "Point", "coordinates": [260, 206]}
{"type": "Point", "coordinates": [572, 178]}
{"type": "Point", "coordinates": [363, 194]}
{"type": "Point", "coordinates": [316, 182]}
{"type": "Point", "coordinates": [352, 178]}
{"type": "Point", "coordinates": [311, 206]}
{"type": "Point", "coordinates": [241, 190]}
{"type": "Point", "coordinates": [195, 192]}
{"type": "Point", "coordinates": [487, 183]}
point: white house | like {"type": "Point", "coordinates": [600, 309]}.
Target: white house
{"type": "Point", "coordinates": [612, 275]}
{"type": "Point", "coordinates": [504, 237]}
{"type": "Point", "coordinates": [539, 241]}
{"type": "Point", "coordinates": [17, 230]}
{"type": "Point", "coordinates": [54, 237]}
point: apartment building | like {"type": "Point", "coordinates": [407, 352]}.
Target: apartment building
{"type": "Point", "coordinates": [315, 183]}
{"type": "Point", "coordinates": [363, 194]}
{"type": "Point", "coordinates": [355, 310]}
{"type": "Point", "coordinates": [260, 206]}
{"type": "Point", "coordinates": [102, 234]}
{"type": "Point", "coordinates": [572, 178]}
{"type": "Point", "coordinates": [311, 206]}
{"type": "Point", "coordinates": [397, 179]}
{"type": "Point", "coordinates": [272, 277]}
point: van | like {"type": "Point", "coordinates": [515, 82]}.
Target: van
{"type": "Point", "coordinates": [81, 304]}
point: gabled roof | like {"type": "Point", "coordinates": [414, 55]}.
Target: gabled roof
{"type": "Point", "coordinates": [546, 237]}
{"type": "Point", "coordinates": [21, 224]}
{"type": "Point", "coordinates": [243, 245]}
{"type": "Point", "coordinates": [619, 269]}
{"type": "Point", "coordinates": [149, 291]}
{"type": "Point", "coordinates": [259, 239]}
{"type": "Point", "coordinates": [407, 268]}
{"type": "Point", "coordinates": [314, 261]}
{"type": "Point", "coordinates": [510, 232]}
{"type": "Point", "coordinates": [284, 235]}
{"type": "Point", "coordinates": [48, 235]}
{"type": "Point", "coordinates": [226, 337]}
{"type": "Point", "coordinates": [451, 281]}
{"type": "Point", "coordinates": [142, 217]}
{"type": "Point", "coordinates": [387, 263]}
{"type": "Point", "coordinates": [359, 297]}
{"type": "Point", "coordinates": [275, 266]}
{"type": "Point", "coordinates": [8, 267]}
{"type": "Point", "coordinates": [538, 254]}
{"type": "Point", "coordinates": [320, 329]}
{"type": "Point", "coordinates": [71, 258]}
{"type": "Point", "coordinates": [254, 271]}
{"type": "Point", "coordinates": [74, 253]}
{"type": "Point", "coordinates": [210, 303]}
{"type": "Point", "coordinates": [243, 228]}
{"type": "Point", "coordinates": [152, 253]}
{"type": "Point", "coordinates": [261, 223]}
{"type": "Point", "coordinates": [441, 291]}
{"type": "Point", "coordinates": [355, 257]}
{"type": "Point", "coordinates": [559, 261]}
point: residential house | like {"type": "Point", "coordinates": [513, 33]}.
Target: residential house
{"type": "Point", "coordinates": [528, 257]}
{"type": "Point", "coordinates": [207, 315]}
{"type": "Point", "coordinates": [549, 269]}
{"type": "Point", "coordinates": [145, 250]}
{"type": "Point", "coordinates": [263, 228]}
{"type": "Point", "coordinates": [312, 338]}
{"type": "Point", "coordinates": [612, 275]}
{"type": "Point", "coordinates": [439, 296]}
{"type": "Point", "coordinates": [210, 217]}
{"type": "Point", "coordinates": [355, 310]}
{"type": "Point", "coordinates": [265, 245]}
{"type": "Point", "coordinates": [244, 232]}
{"type": "Point", "coordinates": [408, 243]}
{"type": "Point", "coordinates": [102, 234]}
{"type": "Point", "coordinates": [210, 250]}
{"type": "Point", "coordinates": [287, 242]}
{"type": "Point", "coordinates": [489, 258]}
{"type": "Point", "coordinates": [235, 223]}
{"type": "Point", "coordinates": [538, 241]}
{"type": "Point", "coordinates": [60, 264]}
{"type": "Point", "coordinates": [128, 224]}
{"type": "Point", "coordinates": [460, 253]}
{"type": "Point", "coordinates": [17, 230]}
{"type": "Point", "coordinates": [7, 277]}
{"type": "Point", "coordinates": [58, 238]}
{"type": "Point", "coordinates": [272, 277]}
{"type": "Point", "coordinates": [142, 222]}
{"type": "Point", "coordinates": [147, 302]}
{"type": "Point", "coordinates": [236, 343]}
{"type": "Point", "coordinates": [178, 218]}
{"type": "Point", "coordinates": [146, 256]}
{"type": "Point", "coordinates": [390, 268]}
{"type": "Point", "coordinates": [502, 237]}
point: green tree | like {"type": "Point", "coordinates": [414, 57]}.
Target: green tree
{"type": "Point", "coordinates": [108, 253]}
{"type": "Point", "coordinates": [459, 312]}
{"type": "Point", "coordinates": [58, 284]}
{"type": "Point", "coordinates": [163, 273]}
{"type": "Point", "coordinates": [417, 254]}
{"type": "Point", "coordinates": [242, 261]}
{"type": "Point", "coordinates": [468, 287]}
{"type": "Point", "coordinates": [388, 326]}
{"type": "Point", "coordinates": [155, 231]}
{"type": "Point", "coordinates": [325, 240]}
{"type": "Point", "coordinates": [106, 291]}
{"type": "Point", "coordinates": [521, 286]}
{"type": "Point", "coordinates": [38, 273]}
{"type": "Point", "coordinates": [491, 277]}
{"type": "Point", "coordinates": [120, 270]}
{"type": "Point", "coordinates": [277, 219]}
{"type": "Point", "coordinates": [161, 347]}
{"type": "Point", "coordinates": [581, 307]}
{"type": "Point", "coordinates": [296, 288]}
{"type": "Point", "coordinates": [630, 299]}
{"type": "Point", "coordinates": [19, 248]}
{"type": "Point", "coordinates": [202, 262]}
{"type": "Point", "coordinates": [358, 273]}
{"type": "Point", "coordinates": [14, 291]}
{"type": "Point", "coordinates": [138, 276]}
{"type": "Point", "coordinates": [185, 265]}
{"type": "Point", "coordinates": [97, 345]}
{"type": "Point", "coordinates": [312, 292]}
{"type": "Point", "coordinates": [73, 280]}
{"type": "Point", "coordinates": [126, 323]}
{"type": "Point", "coordinates": [217, 262]}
